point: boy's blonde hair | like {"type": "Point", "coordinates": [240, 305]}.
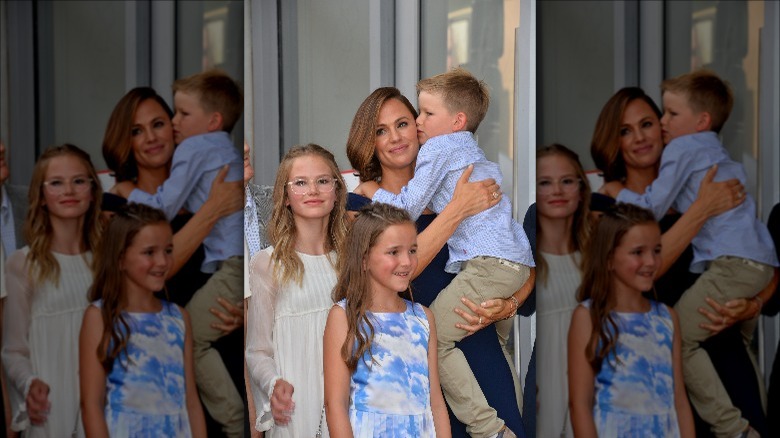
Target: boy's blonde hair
{"type": "Point", "coordinates": [217, 92]}
{"type": "Point", "coordinates": [705, 92]}
{"type": "Point", "coordinates": [461, 92]}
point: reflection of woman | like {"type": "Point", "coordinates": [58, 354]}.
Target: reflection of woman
{"type": "Point", "coordinates": [562, 231]}
{"type": "Point", "coordinates": [627, 144]}
{"type": "Point", "coordinates": [138, 146]}
{"type": "Point", "coordinates": [382, 145]}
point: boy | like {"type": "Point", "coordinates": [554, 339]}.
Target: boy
{"type": "Point", "coordinates": [207, 107]}
{"type": "Point", "coordinates": [489, 251]}
{"type": "Point", "coordinates": [733, 251]}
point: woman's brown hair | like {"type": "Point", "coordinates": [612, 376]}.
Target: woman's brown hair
{"type": "Point", "coordinates": [605, 144]}
{"type": "Point", "coordinates": [361, 143]}
{"type": "Point", "coordinates": [117, 141]}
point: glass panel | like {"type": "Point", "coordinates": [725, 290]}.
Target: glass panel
{"type": "Point", "coordinates": [324, 71]}
{"type": "Point", "coordinates": [210, 34]}
{"type": "Point", "coordinates": [723, 37]}
{"type": "Point", "coordinates": [576, 59]}
{"type": "Point", "coordinates": [478, 36]}
{"type": "Point", "coordinates": [81, 68]}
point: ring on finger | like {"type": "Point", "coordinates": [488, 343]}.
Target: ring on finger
{"type": "Point", "coordinates": [495, 195]}
{"type": "Point", "coordinates": [480, 320]}
{"type": "Point", "coordinates": [723, 320]}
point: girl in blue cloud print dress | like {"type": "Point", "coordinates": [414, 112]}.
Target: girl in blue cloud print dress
{"type": "Point", "coordinates": [381, 375]}
{"type": "Point", "coordinates": [624, 365]}
{"type": "Point", "coordinates": [135, 350]}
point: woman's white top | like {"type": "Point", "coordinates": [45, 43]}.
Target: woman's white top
{"type": "Point", "coordinates": [41, 326]}
{"type": "Point", "coordinates": [555, 303]}
{"type": "Point", "coordinates": [285, 326]}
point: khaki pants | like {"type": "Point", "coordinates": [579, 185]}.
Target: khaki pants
{"type": "Point", "coordinates": [481, 278]}
{"type": "Point", "coordinates": [725, 279]}
{"type": "Point", "coordinates": [215, 386]}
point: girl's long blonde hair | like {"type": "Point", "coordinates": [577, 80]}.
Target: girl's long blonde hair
{"type": "Point", "coordinates": [109, 280]}
{"type": "Point", "coordinates": [596, 281]}
{"type": "Point", "coordinates": [353, 281]}
{"type": "Point", "coordinates": [583, 224]}
{"type": "Point", "coordinates": [282, 233]}
{"type": "Point", "coordinates": [38, 231]}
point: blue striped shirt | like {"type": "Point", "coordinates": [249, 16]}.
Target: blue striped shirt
{"type": "Point", "coordinates": [491, 233]}
{"type": "Point", "coordinates": [737, 232]}
{"type": "Point", "coordinates": [196, 162]}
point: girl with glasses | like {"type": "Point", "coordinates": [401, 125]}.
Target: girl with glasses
{"type": "Point", "coordinates": [47, 284]}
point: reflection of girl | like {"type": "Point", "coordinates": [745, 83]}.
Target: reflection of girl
{"type": "Point", "coordinates": [381, 372]}
{"type": "Point", "coordinates": [382, 146]}
{"type": "Point", "coordinates": [47, 285]}
{"type": "Point", "coordinates": [562, 231]}
{"type": "Point", "coordinates": [136, 350]}
{"type": "Point", "coordinates": [625, 369]}
{"type": "Point", "coordinates": [291, 283]}
{"type": "Point", "coordinates": [627, 145]}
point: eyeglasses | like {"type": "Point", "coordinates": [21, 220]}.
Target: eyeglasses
{"type": "Point", "coordinates": [567, 185]}
{"type": "Point", "coordinates": [59, 186]}
{"type": "Point", "coordinates": [324, 184]}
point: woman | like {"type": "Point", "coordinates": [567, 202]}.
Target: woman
{"type": "Point", "coordinates": [563, 230]}
{"type": "Point", "coordinates": [138, 146]}
{"type": "Point", "coordinates": [382, 146]}
{"type": "Point", "coordinates": [627, 144]}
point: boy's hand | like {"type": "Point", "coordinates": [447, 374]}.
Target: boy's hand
{"type": "Point", "coordinates": [123, 189]}
{"type": "Point", "coordinates": [367, 189]}
{"type": "Point", "coordinates": [612, 188]}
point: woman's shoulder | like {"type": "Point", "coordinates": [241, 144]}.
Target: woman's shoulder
{"type": "Point", "coordinates": [355, 202]}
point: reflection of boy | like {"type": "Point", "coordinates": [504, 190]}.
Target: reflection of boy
{"type": "Point", "coordinates": [207, 107]}
{"type": "Point", "coordinates": [733, 251]}
{"type": "Point", "coordinates": [13, 207]}
{"type": "Point", "coordinates": [489, 251]}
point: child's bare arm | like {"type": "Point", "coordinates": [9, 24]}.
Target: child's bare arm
{"type": "Point", "coordinates": [441, 419]}
{"type": "Point", "coordinates": [92, 376]}
{"type": "Point", "coordinates": [681, 404]}
{"type": "Point", "coordinates": [337, 375]}
{"type": "Point", "coordinates": [581, 375]}
{"type": "Point", "coordinates": [194, 409]}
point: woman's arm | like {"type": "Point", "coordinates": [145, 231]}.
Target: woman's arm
{"type": "Point", "coordinates": [224, 198]}
{"type": "Point", "coordinates": [581, 376]}
{"type": "Point", "coordinates": [230, 318]}
{"type": "Point", "coordinates": [194, 409]}
{"type": "Point", "coordinates": [681, 404]}
{"type": "Point", "coordinates": [739, 309]}
{"type": "Point", "coordinates": [337, 375]}
{"type": "Point", "coordinates": [495, 309]}
{"type": "Point", "coordinates": [713, 199]}
{"type": "Point", "coordinates": [441, 419]}
{"type": "Point", "coordinates": [468, 199]}
{"type": "Point", "coordinates": [92, 376]}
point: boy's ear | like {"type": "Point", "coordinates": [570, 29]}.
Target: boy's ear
{"type": "Point", "coordinates": [215, 122]}
{"type": "Point", "coordinates": [704, 122]}
{"type": "Point", "coordinates": [459, 124]}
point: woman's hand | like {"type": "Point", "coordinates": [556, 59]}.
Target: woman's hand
{"type": "Point", "coordinates": [37, 402]}
{"type": "Point", "coordinates": [224, 197]}
{"type": "Point", "coordinates": [230, 320]}
{"type": "Point", "coordinates": [719, 197]}
{"type": "Point", "coordinates": [471, 198]}
{"type": "Point", "coordinates": [282, 404]}
{"type": "Point", "coordinates": [483, 314]}
{"type": "Point", "coordinates": [728, 314]}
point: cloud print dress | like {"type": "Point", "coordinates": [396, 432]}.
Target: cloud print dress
{"type": "Point", "coordinates": [391, 398]}
{"type": "Point", "coordinates": [147, 396]}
